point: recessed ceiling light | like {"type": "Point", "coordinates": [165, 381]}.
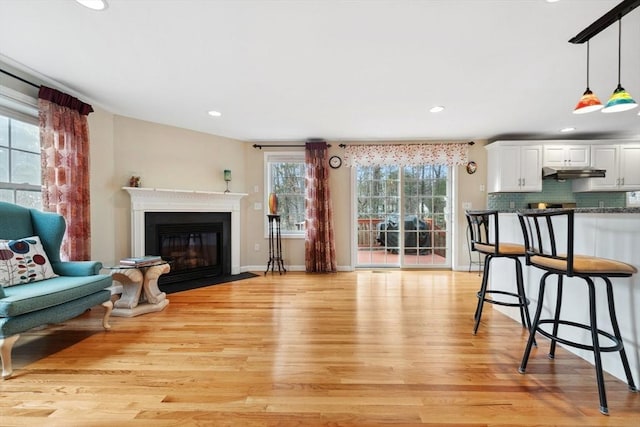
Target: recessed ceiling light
{"type": "Point", "coordinates": [567, 129]}
{"type": "Point", "coordinates": [436, 109]}
{"type": "Point", "coordinates": [213, 113]}
{"type": "Point", "coordinates": [94, 4]}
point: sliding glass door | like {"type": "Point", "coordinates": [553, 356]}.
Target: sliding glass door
{"type": "Point", "coordinates": [378, 208]}
{"type": "Point", "coordinates": [402, 217]}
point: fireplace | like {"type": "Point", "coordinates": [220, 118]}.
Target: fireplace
{"type": "Point", "coordinates": [178, 202]}
{"type": "Point", "coordinates": [197, 244]}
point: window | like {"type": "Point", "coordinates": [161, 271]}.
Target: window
{"type": "Point", "coordinates": [285, 176]}
{"type": "Point", "coordinates": [20, 179]}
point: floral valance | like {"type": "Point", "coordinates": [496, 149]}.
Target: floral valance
{"type": "Point", "coordinates": [406, 154]}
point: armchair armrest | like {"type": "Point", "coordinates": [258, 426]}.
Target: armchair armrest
{"type": "Point", "coordinates": [77, 268]}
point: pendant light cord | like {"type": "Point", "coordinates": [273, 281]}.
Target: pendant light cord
{"type": "Point", "coordinates": [587, 64]}
{"type": "Point", "coordinates": [619, 48]}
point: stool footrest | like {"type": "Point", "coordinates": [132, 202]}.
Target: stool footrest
{"type": "Point", "coordinates": [616, 347]}
{"type": "Point", "coordinates": [508, 304]}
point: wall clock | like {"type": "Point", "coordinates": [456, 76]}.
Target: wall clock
{"type": "Point", "coordinates": [335, 162]}
{"type": "Point", "coordinates": [471, 167]}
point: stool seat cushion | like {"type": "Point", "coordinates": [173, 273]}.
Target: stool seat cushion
{"type": "Point", "coordinates": [505, 248]}
{"type": "Point", "coordinates": [585, 264]}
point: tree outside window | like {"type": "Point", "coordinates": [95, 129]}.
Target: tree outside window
{"type": "Point", "coordinates": [286, 178]}
{"type": "Point", "coordinates": [20, 176]}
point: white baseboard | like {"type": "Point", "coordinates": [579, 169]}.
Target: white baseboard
{"type": "Point", "coordinates": [298, 268]}
{"type": "Point", "coordinates": [471, 269]}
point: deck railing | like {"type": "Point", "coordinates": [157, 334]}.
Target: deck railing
{"type": "Point", "coordinates": [368, 233]}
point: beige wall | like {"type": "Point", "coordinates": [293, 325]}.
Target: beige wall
{"type": "Point", "coordinates": [104, 233]}
{"type": "Point", "coordinates": [470, 188]}
{"type": "Point", "coordinates": [292, 248]}
{"type": "Point", "coordinates": [164, 156]}
{"type": "Point", "coordinates": [169, 157]}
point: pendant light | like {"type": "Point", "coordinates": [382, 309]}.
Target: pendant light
{"type": "Point", "coordinates": [589, 102]}
{"type": "Point", "coordinates": [620, 99]}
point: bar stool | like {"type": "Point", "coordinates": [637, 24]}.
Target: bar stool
{"type": "Point", "coordinates": [542, 231]}
{"type": "Point", "coordinates": [484, 236]}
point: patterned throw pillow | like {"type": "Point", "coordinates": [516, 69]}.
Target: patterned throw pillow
{"type": "Point", "coordinates": [23, 261]}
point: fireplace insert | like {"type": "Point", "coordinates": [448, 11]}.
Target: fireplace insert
{"type": "Point", "coordinates": [196, 244]}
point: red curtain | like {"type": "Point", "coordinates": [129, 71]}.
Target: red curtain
{"type": "Point", "coordinates": [64, 139]}
{"type": "Point", "coordinates": [320, 252]}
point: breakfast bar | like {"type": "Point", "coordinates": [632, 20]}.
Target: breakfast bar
{"type": "Point", "coordinates": [612, 233]}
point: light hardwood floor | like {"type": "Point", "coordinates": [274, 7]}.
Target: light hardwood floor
{"type": "Point", "coordinates": [349, 349]}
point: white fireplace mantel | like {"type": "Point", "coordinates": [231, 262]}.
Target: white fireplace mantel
{"type": "Point", "coordinates": [166, 200]}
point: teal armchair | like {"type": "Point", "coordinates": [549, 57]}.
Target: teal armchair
{"type": "Point", "coordinates": [77, 286]}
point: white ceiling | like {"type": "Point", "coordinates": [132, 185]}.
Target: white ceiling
{"type": "Point", "coordinates": [339, 70]}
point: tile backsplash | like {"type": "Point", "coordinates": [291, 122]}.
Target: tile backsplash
{"type": "Point", "coordinates": [555, 192]}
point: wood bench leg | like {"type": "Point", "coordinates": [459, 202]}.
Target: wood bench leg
{"type": "Point", "coordinates": [6, 344]}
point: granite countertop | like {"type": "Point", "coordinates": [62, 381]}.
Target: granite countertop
{"type": "Point", "coordinates": [630, 210]}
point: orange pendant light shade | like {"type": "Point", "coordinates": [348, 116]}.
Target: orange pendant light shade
{"type": "Point", "coordinates": [588, 103]}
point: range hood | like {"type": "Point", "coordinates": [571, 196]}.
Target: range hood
{"type": "Point", "coordinates": [572, 173]}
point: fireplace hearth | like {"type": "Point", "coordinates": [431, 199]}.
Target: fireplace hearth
{"type": "Point", "coordinates": [197, 244]}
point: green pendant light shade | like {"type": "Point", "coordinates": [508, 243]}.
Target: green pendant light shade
{"type": "Point", "coordinates": [620, 99]}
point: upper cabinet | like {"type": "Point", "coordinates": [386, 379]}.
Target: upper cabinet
{"type": "Point", "coordinates": [561, 155]}
{"type": "Point", "coordinates": [630, 167]}
{"type": "Point", "coordinates": [514, 167]}
{"type": "Point", "coordinates": [622, 165]}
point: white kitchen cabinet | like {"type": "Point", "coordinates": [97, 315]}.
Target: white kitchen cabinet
{"type": "Point", "coordinates": [514, 167]}
{"type": "Point", "coordinates": [630, 167]}
{"type": "Point", "coordinates": [562, 155]}
{"type": "Point", "coordinates": [622, 165]}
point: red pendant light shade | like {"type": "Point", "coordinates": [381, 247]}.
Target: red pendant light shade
{"type": "Point", "coordinates": [588, 102]}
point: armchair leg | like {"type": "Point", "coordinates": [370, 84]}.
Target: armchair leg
{"type": "Point", "coordinates": [108, 307]}
{"type": "Point", "coordinates": [6, 345]}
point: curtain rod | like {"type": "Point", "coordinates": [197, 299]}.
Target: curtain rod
{"type": "Point", "coordinates": [419, 143]}
{"type": "Point", "coordinates": [260, 146]}
{"type": "Point", "coordinates": [19, 78]}
{"type": "Point", "coordinates": [280, 146]}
